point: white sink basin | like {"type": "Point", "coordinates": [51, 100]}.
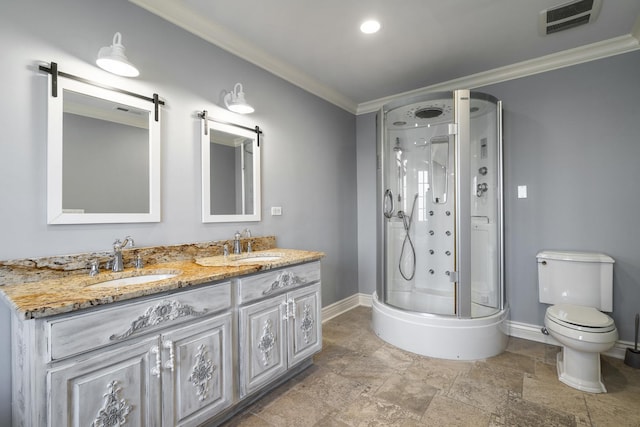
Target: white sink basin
{"type": "Point", "coordinates": [259, 258]}
{"type": "Point", "coordinates": [231, 260]}
{"type": "Point", "coordinates": [134, 280]}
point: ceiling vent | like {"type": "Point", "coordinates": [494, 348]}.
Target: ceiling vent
{"type": "Point", "coordinates": [568, 15]}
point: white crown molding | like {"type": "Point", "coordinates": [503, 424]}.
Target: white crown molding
{"type": "Point", "coordinates": [175, 12]}
{"type": "Point", "coordinates": [591, 52]}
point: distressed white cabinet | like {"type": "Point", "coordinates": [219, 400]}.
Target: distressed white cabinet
{"type": "Point", "coordinates": [186, 358]}
{"type": "Point", "coordinates": [164, 361]}
{"type": "Point", "coordinates": [280, 325]}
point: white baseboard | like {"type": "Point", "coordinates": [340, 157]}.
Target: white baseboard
{"type": "Point", "coordinates": [515, 329]}
{"type": "Point", "coordinates": [366, 300]}
{"type": "Point", "coordinates": [339, 307]}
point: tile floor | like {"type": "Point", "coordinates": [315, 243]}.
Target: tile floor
{"type": "Point", "coordinates": [359, 380]}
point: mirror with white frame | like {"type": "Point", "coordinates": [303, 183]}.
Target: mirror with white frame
{"type": "Point", "coordinates": [230, 173]}
{"type": "Point", "coordinates": [103, 159]}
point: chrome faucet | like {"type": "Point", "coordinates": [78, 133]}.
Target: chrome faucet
{"type": "Point", "coordinates": [118, 265]}
{"type": "Point", "coordinates": [94, 268]}
{"type": "Point", "coordinates": [237, 249]}
{"type": "Point", "coordinates": [247, 233]}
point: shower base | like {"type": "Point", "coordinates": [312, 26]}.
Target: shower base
{"type": "Point", "coordinates": [432, 302]}
{"type": "Point", "coordinates": [443, 337]}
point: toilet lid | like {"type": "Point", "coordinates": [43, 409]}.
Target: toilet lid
{"type": "Point", "coordinates": [580, 316]}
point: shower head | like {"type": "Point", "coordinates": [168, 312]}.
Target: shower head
{"type": "Point", "coordinates": [429, 112]}
{"type": "Point", "coordinates": [397, 147]}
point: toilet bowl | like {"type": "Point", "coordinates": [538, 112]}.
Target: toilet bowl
{"type": "Point", "coordinates": [584, 333]}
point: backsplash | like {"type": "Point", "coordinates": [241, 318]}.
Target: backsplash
{"type": "Point", "coordinates": [29, 270]}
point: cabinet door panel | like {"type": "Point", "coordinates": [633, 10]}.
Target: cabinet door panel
{"type": "Point", "coordinates": [305, 328]}
{"type": "Point", "coordinates": [112, 385]}
{"type": "Point", "coordinates": [202, 376]}
{"type": "Point", "coordinates": [262, 344]}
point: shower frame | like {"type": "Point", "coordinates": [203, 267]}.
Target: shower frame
{"type": "Point", "coordinates": [453, 329]}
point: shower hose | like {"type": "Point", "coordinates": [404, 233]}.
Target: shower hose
{"type": "Point", "coordinates": [407, 239]}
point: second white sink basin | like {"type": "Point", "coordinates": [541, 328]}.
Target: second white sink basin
{"type": "Point", "coordinates": [134, 280]}
{"type": "Point", "coordinates": [234, 260]}
{"type": "Point", "coordinates": [259, 258]}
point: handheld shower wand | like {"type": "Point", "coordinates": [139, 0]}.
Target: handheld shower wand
{"type": "Point", "coordinates": [407, 238]}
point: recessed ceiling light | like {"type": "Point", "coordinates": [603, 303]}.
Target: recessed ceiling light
{"type": "Point", "coordinates": [370, 27]}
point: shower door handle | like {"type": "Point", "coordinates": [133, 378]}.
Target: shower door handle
{"type": "Point", "coordinates": [388, 203]}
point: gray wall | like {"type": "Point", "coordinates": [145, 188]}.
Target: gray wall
{"type": "Point", "coordinates": [572, 136]}
{"type": "Point", "coordinates": [308, 147]}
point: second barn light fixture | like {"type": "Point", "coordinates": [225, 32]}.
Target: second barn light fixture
{"type": "Point", "coordinates": [235, 101]}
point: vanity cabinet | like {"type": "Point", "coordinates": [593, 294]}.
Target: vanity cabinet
{"type": "Point", "coordinates": [279, 319]}
{"type": "Point", "coordinates": [186, 358]}
{"type": "Point", "coordinates": [164, 361]}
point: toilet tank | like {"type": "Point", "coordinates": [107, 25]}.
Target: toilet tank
{"type": "Point", "coordinates": [580, 278]}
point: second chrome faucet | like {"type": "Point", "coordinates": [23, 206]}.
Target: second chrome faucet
{"type": "Point", "coordinates": [237, 245]}
{"type": "Point", "coordinates": [118, 265]}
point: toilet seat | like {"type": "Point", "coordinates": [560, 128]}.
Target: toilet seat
{"type": "Point", "coordinates": [580, 318]}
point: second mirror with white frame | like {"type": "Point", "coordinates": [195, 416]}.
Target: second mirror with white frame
{"type": "Point", "coordinates": [230, 173]}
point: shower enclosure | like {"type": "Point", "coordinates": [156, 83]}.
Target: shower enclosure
{"type": "Point", "coordinates": [440, 253]}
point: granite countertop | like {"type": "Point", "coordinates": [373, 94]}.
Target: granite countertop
{"type": "Point", "coordinates": [74, 292]}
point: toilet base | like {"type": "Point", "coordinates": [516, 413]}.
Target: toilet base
{"type": "Point", "coordinates": [580, 370]}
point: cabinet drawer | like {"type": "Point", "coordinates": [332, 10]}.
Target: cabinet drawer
{"type": "Point", "coordinates": [78, 333]}
{"type": "Point", "coordinates": [274, 282]}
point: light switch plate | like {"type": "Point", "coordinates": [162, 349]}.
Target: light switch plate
{"type": "Point", "coordinates": [522, 191]}
{"type": "Point", "coordinates": [276, 210]}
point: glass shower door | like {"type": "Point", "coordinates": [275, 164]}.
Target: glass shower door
{"type": "Point", "coordinates": [420, 218]}
{"type": "Point", "coordinates": [442, 205]}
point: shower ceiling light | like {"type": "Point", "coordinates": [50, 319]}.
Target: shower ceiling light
{"type": "Point", "coordinates": [112, 59]}
{"type": "Point", "coordinates": [370, 26]}
{"type": "Point", "coordinates": [235, 101]}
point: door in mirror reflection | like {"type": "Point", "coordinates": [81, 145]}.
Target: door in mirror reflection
{"type": "Point", "coordinates": [231, 174]}
{"type": "Point", "coordinates": [231, 159]}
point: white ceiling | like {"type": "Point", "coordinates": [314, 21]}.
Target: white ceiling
{"type": "Point", "coordinates": [317, 45]}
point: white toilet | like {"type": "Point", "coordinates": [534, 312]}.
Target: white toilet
{"type": "Point", "coordinates": [580, 284]}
